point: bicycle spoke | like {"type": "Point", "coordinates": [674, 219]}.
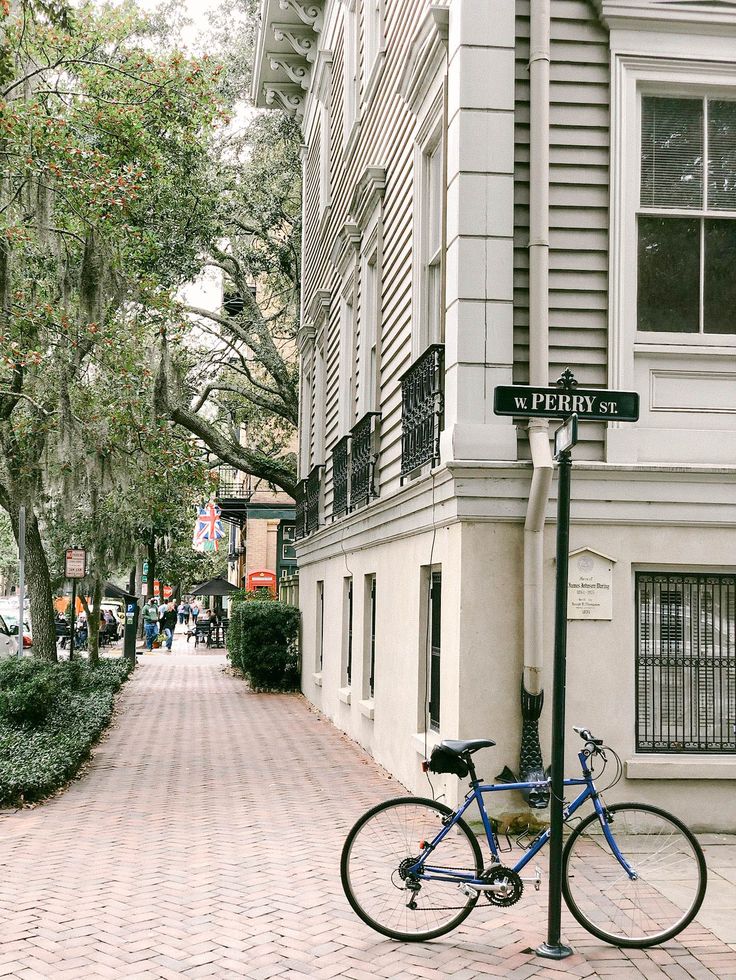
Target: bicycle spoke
{"type": "Point", "coordinates": [669, 883]}
{"type": "Point", "coordinates": [375, 870]}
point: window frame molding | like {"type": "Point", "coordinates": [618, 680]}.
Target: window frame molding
{"type": "Point", "coordinates": [431, 135]}
{"type": "Point", "coordinates": [323, 100]}
{"type": "Point", "coordinates": [344, 258]}
{"type": "Point", "coordinates": [351, 95]}
{"type": "Point", "coordinates": [371, 73]}
{"type": "Point", "coordinates": [631, 77]}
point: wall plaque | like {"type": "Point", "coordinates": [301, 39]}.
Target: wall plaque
{"type": "Point", "coordinates": [590, 585]}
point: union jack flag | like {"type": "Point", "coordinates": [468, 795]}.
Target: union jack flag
{"type": "Point", "coordinates": [208, 529]}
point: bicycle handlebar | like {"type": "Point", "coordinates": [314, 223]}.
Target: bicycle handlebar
{"type": "Point", "coordinates": [586, 736]}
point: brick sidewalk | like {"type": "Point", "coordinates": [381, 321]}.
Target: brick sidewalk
{"type": "Point", "coordinates": [205, 840]}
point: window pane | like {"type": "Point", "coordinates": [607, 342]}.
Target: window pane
{"type": "Point", "coordinates": [669, 274]}
{"type": "Point", "coordinates": [720, 282]}
{"type": "Point", "coordinates": [722, 155]}
{"type": "Point", "coordinates": [672, 153]}
{"type": "Point", "coordinates": [434, 200]}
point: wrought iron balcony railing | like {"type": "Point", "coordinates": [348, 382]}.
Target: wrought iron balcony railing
{"type": "Point", "coordinates": [231, 483]}
{"type": "Point", "coordinates": [340, 478]}
{"type": "Point", "coordinates": [422, 409]}
{"type": "Point", "coordinates": [363, 458]}
{"type": "Point", "coordinates": [312, 494]}
{"type": "Point", "coordinates": [300, 500]}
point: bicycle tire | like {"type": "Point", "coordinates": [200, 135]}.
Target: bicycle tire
{"type": "Point", "coordinates": [663, 899]}
{"type": "Point", "coordinates": [369, 869]}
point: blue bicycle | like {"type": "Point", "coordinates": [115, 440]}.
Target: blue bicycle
{"type": "Point", "coordinates": [633, 874]}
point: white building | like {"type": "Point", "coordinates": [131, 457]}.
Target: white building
{"type": "Point", "coordinates": [492, 194]}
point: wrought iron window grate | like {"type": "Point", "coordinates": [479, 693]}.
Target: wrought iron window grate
{"type": "Point", "coordinates": [312, 495]}
{"type": "Point", "coordinates": [300, 500]}
{"type": "Point", "coordinates": [340, 478]}
{"type": "Point", "coordinates": [422, 407]}
{"type": "Point", "coordinates": [363, 459]}
{"type": "Point", "coordinates": [685, 663]}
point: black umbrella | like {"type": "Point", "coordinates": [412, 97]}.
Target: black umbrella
{"type": "Point", "coordinates": [215, 586]}
{"type": "Point", "coordinates": [112, 591]}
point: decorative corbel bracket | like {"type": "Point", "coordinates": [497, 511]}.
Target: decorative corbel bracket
{"type": "Point", "coordinates": [297, 70]}
{"type": "Point", "coordinates": [310, 14]}
{"type": "Point", "coordinates": [290, 96]}
{"type": "Point", "coordinates": [302, 39]}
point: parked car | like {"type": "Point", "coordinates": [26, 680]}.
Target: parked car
{"type": "Point", "coordinates": [11, 621]}
{"type": "Point", "coordinates": [8, 645]}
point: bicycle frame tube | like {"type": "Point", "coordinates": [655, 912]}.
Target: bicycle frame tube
{"type": "Point", "coordinates": [428, 872]}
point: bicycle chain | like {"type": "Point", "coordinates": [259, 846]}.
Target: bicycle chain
{"type": "Point", "coordinates": [445, 908]}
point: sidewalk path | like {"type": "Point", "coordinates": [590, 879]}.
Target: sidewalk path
{"type": "Point", "coordinates": [204, 841]}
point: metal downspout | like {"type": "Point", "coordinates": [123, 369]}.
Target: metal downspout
{"type": "Point", "coordinates": [532, 696]}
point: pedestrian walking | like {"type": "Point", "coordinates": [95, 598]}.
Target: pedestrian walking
{"type": "Point", "coordinates": [182, 613]}
{"type": "Point", "coordinates": [150, 616]}
{"type": "Point", "coordinates": [168, 620]}
{"type": "Point", "coordinates": [194, 610]}
{"type": "Point", "coordinates": [187, 611]}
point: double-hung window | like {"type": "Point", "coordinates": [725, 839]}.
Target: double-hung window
{"type": "Point", "coordinates": [686, 222]}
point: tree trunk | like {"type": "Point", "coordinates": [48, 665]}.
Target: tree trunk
{"type": "Point", "coordinates": [39, 584]}
{"type": "Point", "coordinates": [93, 623]}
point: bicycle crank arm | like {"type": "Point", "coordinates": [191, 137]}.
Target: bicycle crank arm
{"type": "Point", "coordinates": [470, 888]}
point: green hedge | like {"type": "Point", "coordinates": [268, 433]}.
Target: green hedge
{"type": "Point", "coordinates": [263, 642]}
{"type": "Point", "coordinates": [50, 716]}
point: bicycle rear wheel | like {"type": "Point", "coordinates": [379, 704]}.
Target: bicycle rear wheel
{"type": "Point", "coordinates": [373, 868]}
{"type": "Point", "coordinates": [670, 879]}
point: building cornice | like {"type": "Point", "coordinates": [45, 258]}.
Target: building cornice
{"type": "Point", "coordinates": [286, 49]}
{"type": "Point", "coordinates": [481, 491]}
{"type": "Point", "coordinates": [717, 16]}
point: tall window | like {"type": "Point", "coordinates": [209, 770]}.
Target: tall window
{"type": "Point", "coordinates": [686, 663]}
{"type": "Point", "coordinates": [348, 630]}
{"type": "Point", "coordinates": [433, 252]}
{"type": "Point", "coordinates": [351, 81]}
{"type": "Point", "coordinates": [318, 419]}
{"type": "Point", "coordinates": [346, 395]}
{"type": "Point", "coordinates": [370, 333]}
{"type": "Point", "coordinates": [429, 231]}
{"type": "Point", "coordinates": [320, 630]}
{"type": "Point", "coordinates": [369, 634]}
{"type": "Point", "coordinates": [373, 26]}
{"type": "Point", "coordinates": [686, 226]}
{"type": "Point", "coordinates": [325, 177]}
{"type": "Point", "coordinates": [435, 633]}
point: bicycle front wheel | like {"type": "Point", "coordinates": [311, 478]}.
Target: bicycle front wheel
{"type": "Point", "coordinates": [659, 902]}
{"type": "Point", "coordinates": [377, 854]}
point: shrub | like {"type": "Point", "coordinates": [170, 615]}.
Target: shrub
{"type": "Point", "coordinates": [42, 747]}
{"type": "Point", "coordinates": [28, 690]}
{"type": "Point", "coordinates": [263, 642]}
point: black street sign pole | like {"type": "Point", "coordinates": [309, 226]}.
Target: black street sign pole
{"type": "Point", "coordinates": [553, 948]}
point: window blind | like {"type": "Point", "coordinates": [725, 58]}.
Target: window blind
{"type": "Point", "coordinates": [721, 155]}
{"type": "Point", "coordinates": [672, 153]}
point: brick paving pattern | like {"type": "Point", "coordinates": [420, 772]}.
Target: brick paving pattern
{"type": "Point", "coordinates": [204, 841]}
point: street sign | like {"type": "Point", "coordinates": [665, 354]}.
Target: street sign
{"type": "Point", "coordinates": [76, 563]}
{"type": "Point", "coordinates": [589, 404]}
{"type": "Point", "coordinates": [566, 436]}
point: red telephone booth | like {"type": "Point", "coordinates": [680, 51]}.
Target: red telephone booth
{"type": "Point", "coordinates": [262, 580]}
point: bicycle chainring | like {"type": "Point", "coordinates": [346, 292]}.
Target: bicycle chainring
{"type": "Point", "coordinates": [510, 882]}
